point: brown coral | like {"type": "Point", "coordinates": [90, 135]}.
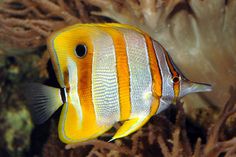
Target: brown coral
{"type": "Point", "coordinates": [200, 33]}
{"type": "Point", "coordinates": [213, 147]}
{"type": "Point", "coordinates": [160, 136]}
{"type": "Point", "coordinates": [28, 23]}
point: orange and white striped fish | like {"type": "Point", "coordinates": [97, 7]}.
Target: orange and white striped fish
{"type": "Point", "coordinates": [107, 73]}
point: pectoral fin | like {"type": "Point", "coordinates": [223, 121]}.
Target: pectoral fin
{"type": "Point", "coordinates": [130, 126]}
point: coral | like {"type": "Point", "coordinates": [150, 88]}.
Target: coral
{"type": "Point", "coordinates": [199, 33]}
{"type": "Point", "coordinates": [25, 24]}
{"type": "Point", "coordinates": [91, 148]}
{"type": "Point", "coordinates": [28, 23]}
{"type": "Point", "coordinates": [213, 147]}
{"type": "Point", "coordinates": [160, 137]}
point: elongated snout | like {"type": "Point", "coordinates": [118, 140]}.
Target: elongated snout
{"type": "Point", "coordinates": [188, 87]}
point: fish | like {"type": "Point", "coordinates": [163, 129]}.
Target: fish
{"type": "Point", "coordinates": [107, 73]}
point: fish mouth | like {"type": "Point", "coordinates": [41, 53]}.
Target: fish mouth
{"type": "Point", "coordinates": [188, 87]}
{"type": "Point", "coordinates": [201, 87]}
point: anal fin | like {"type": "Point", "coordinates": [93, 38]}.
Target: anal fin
{"type": "Point", "coordinates": [134, 124]}
{"type": "Point", "coordinates": [130, 126]}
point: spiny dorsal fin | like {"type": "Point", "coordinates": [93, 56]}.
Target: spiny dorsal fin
{"type": "Point", "coordinates": [42, 101]}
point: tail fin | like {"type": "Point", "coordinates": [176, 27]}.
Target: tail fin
{"type": "Point", "coordinates": [42, 101]}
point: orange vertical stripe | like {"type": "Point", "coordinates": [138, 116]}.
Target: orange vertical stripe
{"type": "Point", "coordinates": [123, 75]}
{"type": "Point", "coordinates": [155, 71]}
{"type": "Point", "coordinates": [69, 129]}
{"type": "Point", "coordinates": [85, 89]}
{"type": "Point", "coordinates": [90, 128]}
{"type": "Point", "coordinates": [154, 107]}
{"type": "Point", "coordinates": [174, 74]}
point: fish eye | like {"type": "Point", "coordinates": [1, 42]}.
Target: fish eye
{"type": "Point", "coordinates": [175, 79]}
{"type": "Point", "coordinates": [81, 50]}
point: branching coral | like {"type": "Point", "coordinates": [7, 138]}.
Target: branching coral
{"type": "Point", "coordinates": [213, 147]}
{"type": "Point", "coordinates": [200, 33]}
{"type": "Point", "coordinates": [26, 24]}
{"type": "Point", "coordinates": [160, 136]}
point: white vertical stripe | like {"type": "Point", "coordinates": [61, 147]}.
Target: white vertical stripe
{"type": "Point", "coordinates": [73, 93]}
{"type": "Point", "coordinates": [167, 84]}
{"type": "Point", "coordinates": [105, 93]}
{"type": "Point", "coordinates": [140, 75]}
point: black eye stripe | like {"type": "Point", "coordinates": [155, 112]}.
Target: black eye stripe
{"type": "Point", "coordinates": [80, 50]}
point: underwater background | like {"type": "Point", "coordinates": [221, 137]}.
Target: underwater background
{"type": "Point", "coordinates": [200, 36]}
